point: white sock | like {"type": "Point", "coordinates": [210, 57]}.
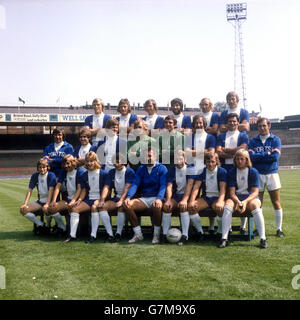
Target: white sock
{"type": "Point", "coordinates": [156, 231]}
{"type": "Point", "coordinates": [211, 223]}
{"type": "Point", "coordinates": [58, 219]}
{"type": "Point", "coordinates": [33, 218]}
{"type": "Point", "coordinates": [196, 222]}
{"type": "Point", "coordinates": [259, 222]}
{"type": "Point", "coordinates": [278, 218]}
{"type": "Point", "coordinates": [48, 220]}
{"type": "Point", "coordinates": [105, 218]}
{"type": "Point", "coordinates": [185, 223]}
{"type": "Point", "coordinates": [166, 222]}
{"type": "Point", "coordinates": [243, 222]}
{"type": "Point", "coordinates": [219, 221]}
{"type": "Point", "coordinates": [138, 231]}
{"type": "Point", "coordinates": [226, 221]}
{"type": "Point", "coordinates": [120, 221]}
{"type": "Point", "coordinates": [95, 223]}
{"type": "Point", "coordinates": [74, 221]}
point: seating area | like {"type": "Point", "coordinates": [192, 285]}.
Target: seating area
{"type": "Point", "coordinates": [147, 228]}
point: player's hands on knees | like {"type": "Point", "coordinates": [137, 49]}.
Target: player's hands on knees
{"type": "Point", "coordinates": [127, 203]}
{"type": "Point", "coordinates": [183, 205]}
{"type": "Point", "coordinates": [71, 204]}
{"type": "Point", "coordinates": [243, 209]}
{"type": "Point", "coordinates": [99, 203]}
{"type": "Point", "coordinates": [23, 208]}
{"type": "Point", "coordinates": [74, 204]}
{"type": "Point", "coordinates": [45, 209]}
{"type": "Point", "coordinates": [119, 203]}
{"type": "Point", "coordinates": [240, 206]}
{"type": "Point", "coordinates": [157, 204]}
{"type": "Point", "coordinates": [192, 206]}
{"type": "Point", "coordinates": [52, 206]}
{"type": "Point", "coordinates": [219, 206]}
{"type": "Point", "coordinates": [168, 205]}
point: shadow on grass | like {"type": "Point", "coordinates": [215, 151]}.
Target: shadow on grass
{"type": "Point", "coordinates": [22, 236]}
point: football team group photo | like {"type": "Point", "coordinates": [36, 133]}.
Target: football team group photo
{"type": "Point", "coordinates": [161, 166]}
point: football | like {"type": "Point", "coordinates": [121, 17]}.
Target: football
{"type": "Point", "coordinates": [173, 235]}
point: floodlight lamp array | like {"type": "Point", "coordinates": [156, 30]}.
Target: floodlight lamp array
{"type": "Point", "coordinates": [236, 11]}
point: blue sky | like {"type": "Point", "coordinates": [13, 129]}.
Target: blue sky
{"type": "Point", "coordinates": [76, 50]}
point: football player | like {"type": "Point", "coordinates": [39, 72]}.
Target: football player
{"type": "Point", "coordinates": [232, 99]}
{"type": "Point", "coordinates": [151, 179]}
{"type": "Point", "coordinates": [44, 180]}
{"type": "Point", "coordinates": [213, 181]}
{"type": "Point", "coordinates": [243, 182]}
{"type": "Point", "coordinates": [179, 186]}
{"type": "Point", "coordinates": [97, 121]}
{"type": "Point", "coordinates": [70, 177]}
{"type": "Point", "coordinates": [212, 118]}
{"type": "Point", "coordinates": [120, 180]}
{"type": "Point", "coordinates": [265, 150]}
{"type": "Point", "coordinates": [92, 182]}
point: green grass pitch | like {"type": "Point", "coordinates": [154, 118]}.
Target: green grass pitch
{"type": "Point", "coordinates": [44, 268]}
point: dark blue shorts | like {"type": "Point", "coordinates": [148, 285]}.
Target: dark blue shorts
{"type": "Point", "coordinates": [242, 197]}
{"type": "Point", "coordinates": [115, 199]}
{"type": "Point", "coordinates": [40, 203]}
{"type": "Point", "coordinates": [209, 200]}
{"type": "Point", "coordinates": [178, 197]}
{"type": "Point", "coordinates": [89, 202]}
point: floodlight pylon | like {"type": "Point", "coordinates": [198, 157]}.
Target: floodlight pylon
{"type": "Point", "coordinates": [236, 15]}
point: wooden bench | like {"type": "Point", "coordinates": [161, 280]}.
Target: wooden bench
{"type": "Point", "coordinates": [249, 236]}
{"type": "Point", "coordinates": [84, 224]}
{"type": "Point", "coordinates": [205, 213]}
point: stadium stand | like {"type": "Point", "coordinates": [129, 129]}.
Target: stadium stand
{"type": "Point", "coordinates": [28, 140]}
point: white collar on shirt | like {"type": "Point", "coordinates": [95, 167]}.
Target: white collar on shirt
{"type": "Point", "coordinates": [212, 172]}
{"type": "Point", "coordinates": [177, 116]}
{"type": "Point", "coordinates": [234, 110]}
{"type": "Point", "coordinates": [264, 138]}
{"type": "Point", "coordinates": [57, 146]}
{"type": "Point", "coordinates": [125, 117]}
{"type": "Point", "coordinates": [85, 147]}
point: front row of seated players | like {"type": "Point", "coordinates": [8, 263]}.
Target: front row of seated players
{"type": "Point", "coordinates": [48, 190]}
{"type": "Point", "coordinates": [243, 183]}
{"type": "Point", "coordinates": [213, 182]}
{"type": "Point", "coordinates": [45, 181]}
{"type": "Point", "coordinates": [70, 178]}
{"type": "Point", "coordinates": [119, 180]}
{"type": "Point", "coordinates": [92, 192]}
{"type": "Point", "coordinates": [179, 186]}
{"type": "Point", "coordinates": [150, 181]}
{"type": "Point", "coordinates": [89, 191]}
{"type": "Point", "coordinates": [242, 179]}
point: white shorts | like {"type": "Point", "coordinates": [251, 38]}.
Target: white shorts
{"type": "Point", "coordinates": [269, 181]}
{"type": "Point", "coordinates": [148, 201]}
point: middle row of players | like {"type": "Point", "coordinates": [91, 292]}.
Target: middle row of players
{"type": "Point", "coordinates": [196, 143]}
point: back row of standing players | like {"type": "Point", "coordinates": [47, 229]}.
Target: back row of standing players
{"type": "Point", "coordinates": [211, 137]}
